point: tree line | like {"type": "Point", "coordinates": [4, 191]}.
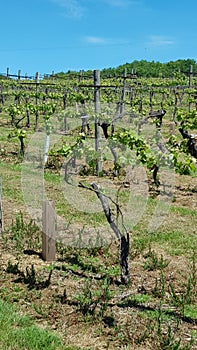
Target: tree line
{"type": "Point", "coordinates": [143, 68]}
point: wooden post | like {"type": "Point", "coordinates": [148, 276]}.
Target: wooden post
{"type": "Point", "coordinates": [37, 77]}
{"type": "Point", "coordinates": [80, 76]}
{"type": "Point", "coordinates": [122, 100]}
{"type": "Point", "coordinates": [64, 107]}
{"type": "Point", "coordinates": [97, 80]}
{"type": "Point", "coordinates": [19, 74]}
{"type": "Point", "coordinates": [48, 231]}
{"type": "Point", "coordinates": [151, 100]}
{"type": "Point", "coordinates": [37, 82]}
{"type": "Point", "coordinates": [97, 108]}
{"type": "Point", "coordinates": [190, 75]}
{"type": "Point", "coordinates": [190, 83]}
{"type": "Point", "coordinates": [7, 73]}
{"type": "Point", "coordinates": [1, 209]}
{"type": "Point", "coordinates": [175, 105]}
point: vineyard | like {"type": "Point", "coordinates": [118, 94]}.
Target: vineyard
{"type": "Point", "coordinates": [115, 159]}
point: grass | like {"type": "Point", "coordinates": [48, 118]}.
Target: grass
{"type": "Point", "coordinates": [175, 242]}
{"type": "Point", "coordinates": [11, 177]}
{"type": "Point", "coordinates": [191, 311]}
{"type": "Point", "coordinates": [85, 281]}
{"type": "Point", "coordinates": [183, 211]}
{"type": "Point", "coordinates": [20, 332]}
{"type": "Point", "coordinates": [84, 299]}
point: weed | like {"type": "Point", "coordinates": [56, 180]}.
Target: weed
{"type": "Point", "coordinates": [130, 332]}
{"type": "Point", "coordinates": [21, 235]}
{"type": "Point", "coordinates": [41, 310]}
{"type": "Point", "coordinates": [29, 277]}
{"type": "Point", "coordinates": [183, 298]}
{"type": "Point", "coordinates": [94, 302]}
{"type": "Point", "coordinates": [105, 296]}
{"type": "Point", "coordinates": [159, 288]}
{"type": "Point", "coordinates": [168, 341]}
{"type": "Point", "coordinates": [12, 268]}
{"type": "Point", "coordinates": [137, 247]}
{"type": "Point", "coordinates": [99, 247]}
{"type": "Point", "coordinates": [175, 297]}
{"type": "Point", "coordinates": [154, 262]}
{"type": "Point", "coordinates": [86, 300]}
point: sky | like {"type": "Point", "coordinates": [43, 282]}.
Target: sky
{"type": "Point", "coordinates": [48, 36]}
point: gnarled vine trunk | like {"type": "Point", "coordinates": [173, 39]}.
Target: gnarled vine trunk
{"type": "Point", "coordinates": [124, 240]}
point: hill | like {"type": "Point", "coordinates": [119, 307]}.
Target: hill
{"type": "Point", "coordinates": [145, 68]}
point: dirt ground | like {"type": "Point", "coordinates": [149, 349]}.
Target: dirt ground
{"type": "Point", "coordinates": [126, 322]}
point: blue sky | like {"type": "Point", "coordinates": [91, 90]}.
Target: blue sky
{"type": "Point", "coordinates": [62, 35]}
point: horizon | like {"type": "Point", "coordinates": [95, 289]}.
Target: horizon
{"type": "Point", "coordinates": [42, 75]}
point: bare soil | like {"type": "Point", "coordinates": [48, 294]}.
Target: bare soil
{"type": "Point", "coordinates": [149, 321]}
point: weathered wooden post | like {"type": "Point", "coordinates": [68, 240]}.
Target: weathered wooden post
{"type": "Point", "coordinates": [48, 231]}
{"type": "Point", "coordinates": [85, 128]}
{"type": "Point", "coordinates": [151, 100]}
{"type": "Point", "coordinates": [80, 76]}
{"type": "Point", "coordinates": [175, 105]}
{"type": "Point", "coordinates": [37, 83]}
{"type": "Point", "coordinates": [19, 74]}
{"type": "Point", "coordinates": [65, 106]}
{"type": "Point", "coordinates": [190, 75]}
{"type": "Point", "coordinates": [97, 108]}
{"type": "Point", "coordinates": [122, 100]}
{"type": "Point", "coordinates": [190, 83]}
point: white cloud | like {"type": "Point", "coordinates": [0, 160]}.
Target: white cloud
{"type": "Point", "coordinates": [159, 40]}
{"type": "Point", "coordinates": [95, 40]}
{"type": "Point", "coordinates": [105, 41]}
{"type": "Point", "coordinates": [71, 8]}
